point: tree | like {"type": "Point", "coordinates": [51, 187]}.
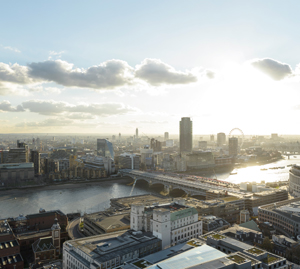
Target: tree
{"type": "Point", "coordinates": [267, 244]}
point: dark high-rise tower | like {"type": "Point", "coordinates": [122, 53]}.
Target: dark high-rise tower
{"type": "Point", "coordinates": [233, 146]}
{"type": "Point", "coordinates": [35, 158]}
{"type": "Point", "coordinates": [105, 148]}
{"type": "Point", "coordinates": [186, 135]}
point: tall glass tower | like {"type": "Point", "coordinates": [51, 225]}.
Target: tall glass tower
{"type": "Point", "coordinates": [186, 135]}
{"type": "Point", "coordinates": [105, 148]}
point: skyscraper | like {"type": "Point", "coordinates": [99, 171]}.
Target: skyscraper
{"type": "Point", "coordinates": [233, 146]}
{"type": "Point", "coordinates": [221, 139]}
{"type": "Point", "coordinates": [186, 135]}
{"type": "Point", "coordinates": [136, 133]}
{"type": "Point", "coordinates": [105, 148]}
{"type": "Point", "coordinates": [35, 158]}
{"type": "Point", "coordinates": [166, 136]}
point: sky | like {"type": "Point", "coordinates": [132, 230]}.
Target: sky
{"type": "Point", "coordinates": [113, 66]}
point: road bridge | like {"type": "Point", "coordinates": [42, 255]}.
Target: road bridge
{"type": "Point", "coordinates": [171, 182]}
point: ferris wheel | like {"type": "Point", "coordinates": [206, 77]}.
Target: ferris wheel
{"type": "Point", "coordinates": [240, 136]}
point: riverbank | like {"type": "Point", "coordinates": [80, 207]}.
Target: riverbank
{"type": "Point", "coordinates": [66, 185]}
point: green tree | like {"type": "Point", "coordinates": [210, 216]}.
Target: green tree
{"type": "Point", "coordinates": [267, 244]}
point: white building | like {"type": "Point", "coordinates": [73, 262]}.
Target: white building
{"type": "Point", "coordinates": [172, 223]}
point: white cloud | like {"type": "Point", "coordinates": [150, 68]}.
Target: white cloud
{"type": "Point", "coordinates": [50, 107]}
{"type": "Point", "coordinates": [5, 106]}
{"type": "Point", "coordinates": [156, 73]}
{"type": "Point", "coordinates": [274, 69]}
{"type": "Point", "coordinates": [10, 48]}
{"type": "Point", "coordinates": [108, 75]}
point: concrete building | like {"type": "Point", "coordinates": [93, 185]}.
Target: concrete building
{"type": "Point", "coordinates": [106, 222]}
{"type": "Point", "coordinates": [11, 173]}
{"type": "Point", "coordinates": [244, 216]}
{"type": "Point", "coordinates": [185, 135]}
{"type": "Point", "coordinates": [146, 155]}
{"type": "Point", "coordinates": [284, 216]}
{"type": "Point", "coordinates": [99, 162]}
{"type": "Point", "coordinates": [240, 255]}
{"type": "Point", "coordinates": [202, 145]}
{"type": "Point", "coordinates": [221, 139]}
{"type": "Point", "coordinates": [199, 160]}
{"type": "Point", "coordinates": [294, 180]}
{"type": "Point", "coordinates": [105, 148]}
{"type": "Point", "coordinates": [3, 155]}
{"type": "Point", "coordinates": [169, 143]}
{"type": "Point", "coordinates": [109, 250]}
{"type": "Point", "coordinates": [129, 161]}
{"type": "Point", "coordinates": [166, 136]}
{"type": "Point", "coordinates": [213, 223]}
{"type": "Point", "coordinates": [10, 257]}
{"type": "Point", "coordinates": [35, 158]}
{"type": "Point", "coordinates": [18, 155]}
{"type": "Point", "coordinates": [233, 146]}
{"type": "Point", "coordinates": [172, 222]}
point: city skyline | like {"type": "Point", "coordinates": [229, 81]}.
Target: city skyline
{"type": "Point", "coordinates": [121, 67]}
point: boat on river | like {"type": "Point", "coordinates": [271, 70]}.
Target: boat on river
{"type": "Point", "coordinates": [263, 169]}
{"type": "Point", "coordinates": [234, 172]}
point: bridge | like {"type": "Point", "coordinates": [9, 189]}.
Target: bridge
{"type": "Point", "coordinates": [172, 182]}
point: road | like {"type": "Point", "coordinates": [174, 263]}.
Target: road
{"type": "Point", "coordinates": [73, 229]}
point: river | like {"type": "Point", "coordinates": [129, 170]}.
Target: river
{"type": "Point", "coordinates": [90, 198]}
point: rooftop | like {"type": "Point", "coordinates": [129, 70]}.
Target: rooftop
{"type": "Point", "coordinates": [4, 228]}
{"type": "Point", "coordinates": [195, 256]}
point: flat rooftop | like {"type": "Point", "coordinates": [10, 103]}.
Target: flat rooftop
{"type": "Point", "coordinates": [195, 256]}
{"type": "Point", "coordinates": [107, 222]}
{"type": "Point", "coordinates": [146, 199]}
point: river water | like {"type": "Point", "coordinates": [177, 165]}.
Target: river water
{"type": "Point", "coordinates": [90, 198]}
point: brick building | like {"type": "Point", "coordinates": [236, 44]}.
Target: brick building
{"type": "Point", "coordinates": [10, 257]}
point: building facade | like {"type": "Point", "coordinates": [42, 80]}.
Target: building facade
{"type": "Point", "coordinates": [105, 148]}
{"type": "Point", "coordinates": [172, 223]}
{"type": "Point", "coordinates": [35, 158]}
{"type": "Point", "coordinates": [294, 181]}
{"type": "Point", "coordinates": [221, 139]}
{"type": "Point", "coordinates": [185, 135]}
{"type": "Point", "coordinates": [233, 146]}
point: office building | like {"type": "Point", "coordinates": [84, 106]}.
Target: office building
{"type": "Point", "coordinates": [108, 250]}
{"type": "Point", "coordinates": [202, 145]}
{"type": "Point", "coordinates": [98, 163]}
{"type": "Point", "coordinates": [169, 143]}
{"type": "Point", "coordinates": [171, 222]}
{"type": "Point", "coordinates": [136, 133]}
{"type": "Point", "coordinates": [106, 222]}
{"type": "Point", "coordinates": [212, 138]}
{"type": "Point", "coordinates": [244, 216]}
{"type": "Point", "coordinates": [186, 135]}
{"type": "Point", "coordinates": [35, 158]}
{"type": "Point", "coordinates": [129, 161]}
{"type": "Point", "coordinates": [166, 136]}
{"type": "Point", "coordinates": [221, 139]}
{"type": "Point", "coordinates": [155, 145]}
{"type": "Point", "coordinates": [105, 148]}
{"type": "Point", "coordinates": [199, 160]}
{"type": "Point", "coordinates": [233, 146]}
{"type": "Point", "coordinates": [284, 216]}
{"type": "Point", "coordinates": [294, 180]}
{"type": "Point", "coordinates": [3, 155]}
{"type": "Point", "coordinates": [12, 173]}
{"type": "Point", "coordinates": [18, 155]}
{"type": "Point", "coordinates": [146, 155]}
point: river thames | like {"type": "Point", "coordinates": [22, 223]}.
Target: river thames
{"type": "Point", "coordinates": [90, 198]}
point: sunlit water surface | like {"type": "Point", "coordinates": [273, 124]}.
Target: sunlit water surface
{"type": "Point", "coordinates": [89, 198]}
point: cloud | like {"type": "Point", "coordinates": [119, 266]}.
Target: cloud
{"type": "Point", "coordinates": [15, 74]}
{"type": "Point", "coordinates": [156, 73]}
{"type": "Point", "coordinates": [5, 106]}
{"type": "Point", "coordinates": [10, 48]}
{"type": "Point", "coordinates": [274, 69]}
{"type": "Point", "coordinates": [50, 107]}
{"type": "Point", "coordinates": [210, 74]}
{"type": "Point", "coordinates": [108, 75]}
{"type": "Point", "coordinates": [46, 123]}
